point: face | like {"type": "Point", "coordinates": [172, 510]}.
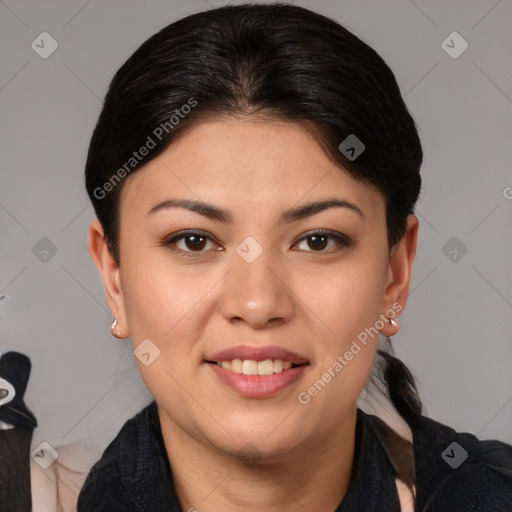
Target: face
{"type": "Point", "coordinates": [253, 277]}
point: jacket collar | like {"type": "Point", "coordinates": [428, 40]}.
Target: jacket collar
{"type": "Point", "coordinates": [144, 467]}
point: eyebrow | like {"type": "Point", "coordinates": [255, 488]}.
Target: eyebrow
{"type": "Point", "coordinates": [288, 216]}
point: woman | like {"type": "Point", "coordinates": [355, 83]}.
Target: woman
{"type": "Point", "coordinates": [254, 171]}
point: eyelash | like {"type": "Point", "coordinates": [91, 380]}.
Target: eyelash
{"type": "Point", "coordinates": [343, 240]}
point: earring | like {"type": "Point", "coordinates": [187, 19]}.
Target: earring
{"type": "Point", "coordinates": [393, 322]}
{"type": "Point", "coordinates": [114, 330]}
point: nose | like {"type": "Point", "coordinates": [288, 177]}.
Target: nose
{"type": "Point", "coordinates": [258, 292]}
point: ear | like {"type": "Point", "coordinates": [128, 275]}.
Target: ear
{"type": "Point", "coordinates": [399, 273]}
{"type": "Point", "coordinates": [109, 273]}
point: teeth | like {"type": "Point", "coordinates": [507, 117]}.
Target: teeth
{"type": "Point", "coordinates": [278, 366]}
{"type": "Point", "coordinates": [236, 366]}
{"type": "Point", "coordinates": [251, 367]}
{"type": "Point", "coordinates": [266, 367]}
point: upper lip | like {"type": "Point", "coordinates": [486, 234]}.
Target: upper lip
{"type": "Point", "coordinates": [257, 354]}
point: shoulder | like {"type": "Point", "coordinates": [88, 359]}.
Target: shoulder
{"type": "Point", "coordinates": [57, 486]}
{"type": "Point", "coordinates": [458, 471]}
{"type": "Point", "coordinates": [103, 488]}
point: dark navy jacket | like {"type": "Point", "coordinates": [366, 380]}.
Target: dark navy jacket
{"type": "Point", "coordinates": [133, 474]}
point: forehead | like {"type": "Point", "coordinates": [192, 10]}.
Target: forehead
{"type": "Point", "coordinates": [249, 163]}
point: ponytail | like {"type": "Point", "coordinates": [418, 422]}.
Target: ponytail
{"type": "Point", "coordinates": [393, 379]}
{"type": "Point", "coordinates": [399, 383]}
{"type": "Point", "coordinates": [402, 389]}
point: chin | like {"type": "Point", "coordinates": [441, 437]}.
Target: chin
{"type": "Point", "coordinates": [253, 446]}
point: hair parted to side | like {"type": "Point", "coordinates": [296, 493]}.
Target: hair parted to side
{"type": "Point", "coordinates": [274, 61]}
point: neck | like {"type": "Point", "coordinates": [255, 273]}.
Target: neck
{"type": "Point", "coordinates": [314, 477]}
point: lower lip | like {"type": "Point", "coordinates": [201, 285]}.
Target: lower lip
{"type": "Point", "coordinates": [258, 386]}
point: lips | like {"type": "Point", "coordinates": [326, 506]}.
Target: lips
{"type": "Point", "coordinates": [257, 372]}
{"type": "Point", "coordinates": [257, 354]}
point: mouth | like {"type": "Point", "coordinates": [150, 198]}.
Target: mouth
{"type": "Point", "coordinates": [257, 372]}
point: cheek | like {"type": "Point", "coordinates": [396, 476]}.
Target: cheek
{"type": "Point", "coordinates": [167, 308]}
{"type": "Point", "coordinates": [162, 302]}
{"type": "Point", "coordinates": [349, 307]}
{"type": "Point", "coordinates": [346, 299]}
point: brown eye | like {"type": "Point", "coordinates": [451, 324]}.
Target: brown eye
{"type": "Point", "coordinates": [189, 241]}
{"type": "Point", "coordinates": [319, 240]}
{"type": "Point", "coordinates": [194, 242]}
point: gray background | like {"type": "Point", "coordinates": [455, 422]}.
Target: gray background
{"type": "Point", "coordinates": [456, 330]}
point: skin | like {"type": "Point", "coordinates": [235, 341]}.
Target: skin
{"type": "Point", "coordinates": [312, 301]}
